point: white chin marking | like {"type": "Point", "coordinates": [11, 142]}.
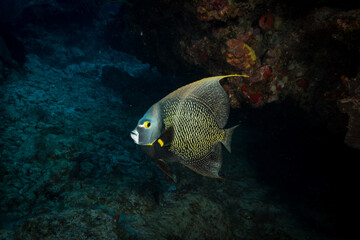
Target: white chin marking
{"type": "Point", "coordinates": [135, 136]}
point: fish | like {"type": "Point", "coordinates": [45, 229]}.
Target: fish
{"type": "Point", "coordinates": [187, 126]}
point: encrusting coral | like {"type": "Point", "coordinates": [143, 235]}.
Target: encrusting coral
{"type": "Point", "coordinates": [216, 10]}
{"type": "Point", "coordinates": [239, 54]}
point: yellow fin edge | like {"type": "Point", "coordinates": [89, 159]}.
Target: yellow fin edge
{"type": "Point", "coordinates": [234, 75]}
{"type": "Point", "coordinates": [225, 76]}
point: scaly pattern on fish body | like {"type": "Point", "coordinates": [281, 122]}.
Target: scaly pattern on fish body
{"type": "Point", "coordinates": [195, 128]}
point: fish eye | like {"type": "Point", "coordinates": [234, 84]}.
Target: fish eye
{"type": "Point", "coordinates": [147, 124]}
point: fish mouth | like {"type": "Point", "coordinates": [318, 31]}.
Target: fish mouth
{"type": "Point", "coordinates": [135, 136]}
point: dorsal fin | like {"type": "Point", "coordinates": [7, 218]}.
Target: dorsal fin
{"type": "Point", "coordinates": [211, 93]}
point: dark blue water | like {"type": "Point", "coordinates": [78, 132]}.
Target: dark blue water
{"type": "Point", "coordinates": [69, 96]}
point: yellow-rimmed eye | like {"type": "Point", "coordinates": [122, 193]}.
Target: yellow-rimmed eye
{"type": "Point", "coordinates": [147, 124]}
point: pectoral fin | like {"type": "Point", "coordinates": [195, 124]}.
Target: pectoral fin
{"type": "Point", "coordinates": [166, 138]}
{"type": "Point", "coordinates": [163, 166]}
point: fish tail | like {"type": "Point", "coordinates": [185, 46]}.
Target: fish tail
{"type": "Point", "coordinates": [227, 137]}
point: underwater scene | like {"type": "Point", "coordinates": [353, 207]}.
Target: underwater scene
{"type": "Point", "coordinates": [179, 119]}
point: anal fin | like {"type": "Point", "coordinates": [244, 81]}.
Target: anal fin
{"type": "Point", "coordinates": [209, 165]}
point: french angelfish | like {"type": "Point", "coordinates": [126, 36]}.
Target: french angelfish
{"type": "Point", "coordinates": [187, 126]}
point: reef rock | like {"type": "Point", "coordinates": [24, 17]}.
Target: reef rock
{"type": "Point", "coordinates": [351, 106]}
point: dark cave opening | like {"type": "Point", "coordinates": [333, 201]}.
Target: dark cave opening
{"type": "Point", "coordinates": [307, 164]}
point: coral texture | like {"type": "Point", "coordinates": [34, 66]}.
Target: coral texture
{"type": "Point", "coordinates": [239, 54]}
{"type": "Point", "coordinates": [351, 106]}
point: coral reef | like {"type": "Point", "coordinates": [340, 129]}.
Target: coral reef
{"type": "Point", "coordinates": [69, 169]}
{"type": "Point", "coordinates": [69, 172]}
{"type": "Point", "coordinates": [216, 10]}
{"type": "Point", "coordinates": [257, 38]}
